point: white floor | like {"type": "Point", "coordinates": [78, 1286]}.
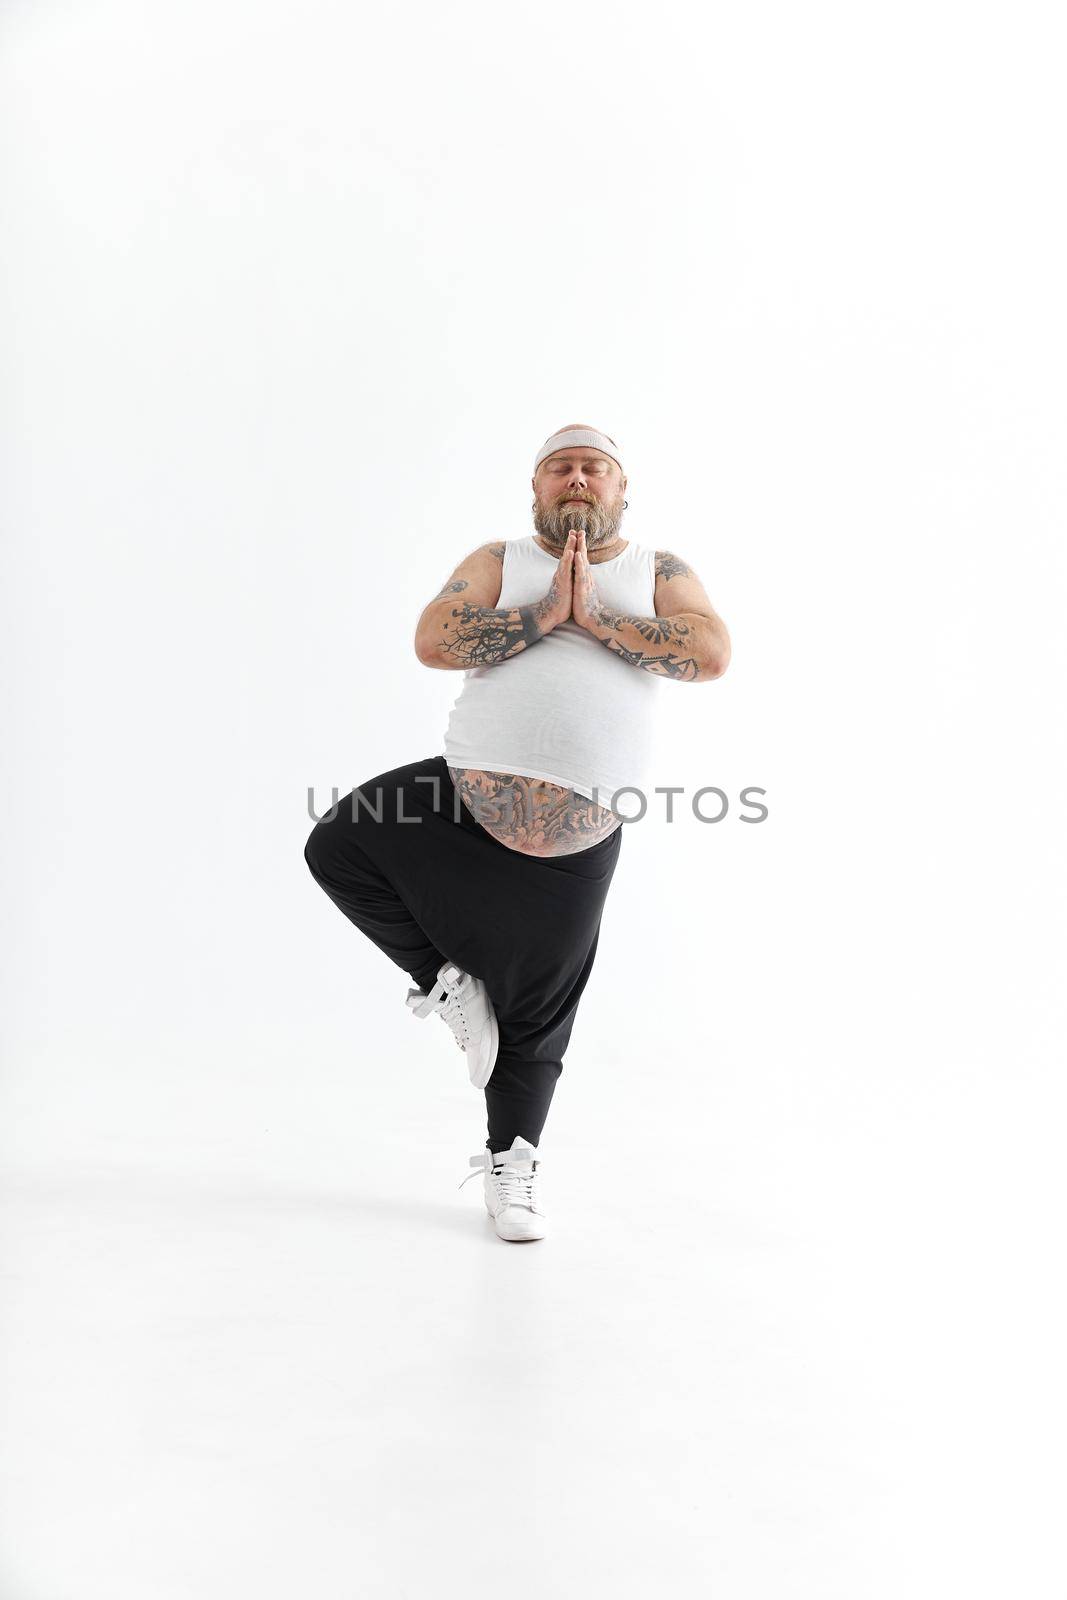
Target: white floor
{"type": "Point", "coordinates": [257, 1342]}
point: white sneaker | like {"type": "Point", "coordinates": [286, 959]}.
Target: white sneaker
{"type": "Point", "coordinates": [464, 1003]}
{"type": "Point", "coordinates": [513, 1190]}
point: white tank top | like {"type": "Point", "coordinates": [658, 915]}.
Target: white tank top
{"type": "Point", "coordinates": [566, 709]}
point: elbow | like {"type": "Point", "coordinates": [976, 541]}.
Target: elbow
{"type": "Point", "coordinates": [428, 651]}
{"type": "Point", "coordinates": [716, 664]}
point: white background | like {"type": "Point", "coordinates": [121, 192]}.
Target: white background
{"type": "Point", "coordinates": [292, 295]}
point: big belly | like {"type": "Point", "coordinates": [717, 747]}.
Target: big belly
{"type": "Point", "coordinates": [530, 815]}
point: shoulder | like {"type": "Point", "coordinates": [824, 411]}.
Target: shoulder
{"type": "Point", "coordinates": [668, 566]}
{"type": "Point", "coordinates": [482, 569]}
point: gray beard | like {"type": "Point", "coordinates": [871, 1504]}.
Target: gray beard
{"type": "Point", "coordinates": [601, 522]}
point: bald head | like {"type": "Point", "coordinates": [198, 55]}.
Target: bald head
{"type": "Point", "coordinates": [567, 426]}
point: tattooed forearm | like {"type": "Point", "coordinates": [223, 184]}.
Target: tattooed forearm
{"type": "Point", "coordinates": [479, 636]}
{"type": "Point", "coordinates": [657, 630]}
{"type": "Point", "coordinates": [627, 636]}
{"type": "Point", "coordinates": [685, 668]}
{"type": "Point", "coordinates": [467, 635]}
{"type": "Point", "coordinates": [530, 815]}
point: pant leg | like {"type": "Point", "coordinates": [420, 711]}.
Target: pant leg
{"type": "Point", "coordinates": [530, 1060]}
{"type": "Point", "coordinates": [415, 869]}
{"type": "Point", "coordinates": [357, 886]}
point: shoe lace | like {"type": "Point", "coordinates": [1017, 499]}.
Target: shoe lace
{"type": "Point", "coordinates": [519, 1186]}
{"type": "Point", "coordinates": [516, 1188]}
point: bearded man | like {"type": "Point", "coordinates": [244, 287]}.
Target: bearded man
{"type": "Point", "coordinates": [483, 871]}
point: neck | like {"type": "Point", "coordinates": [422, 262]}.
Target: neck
{"type": "Point", "coordinates": [603, 552]}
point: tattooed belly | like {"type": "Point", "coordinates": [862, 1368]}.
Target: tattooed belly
{"type": "Point", "coordinates": [530, 815]}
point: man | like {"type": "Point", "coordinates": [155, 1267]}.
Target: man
{"type": "Point", "coordinates": [483, 871]}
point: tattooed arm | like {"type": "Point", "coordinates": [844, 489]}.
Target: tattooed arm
{"type": "Point", "coordinates": [685, 640]}
{"type": "Point", "coordinates": [463, 627]}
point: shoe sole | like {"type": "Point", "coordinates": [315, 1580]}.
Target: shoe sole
{"type": "Point", "coordinates": [524, 1238]}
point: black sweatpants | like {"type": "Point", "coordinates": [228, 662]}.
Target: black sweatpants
{"type": "Point", "coordinates": [428, 884]}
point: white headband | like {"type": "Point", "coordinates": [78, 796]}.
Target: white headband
{"type": "Point", "coordinates": [578, 436]}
